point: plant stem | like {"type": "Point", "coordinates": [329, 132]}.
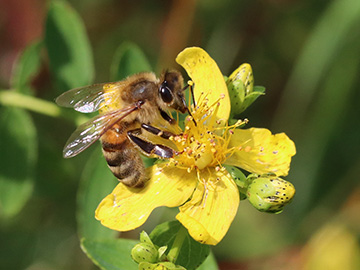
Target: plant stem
{"type": "Point", "coordinates": [176, 246]}
{"type": "Point", "coordinates": [12, 98]}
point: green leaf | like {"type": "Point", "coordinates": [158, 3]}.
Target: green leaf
{"type": "Point", "coordinates": [97, 181]}
{"type": "Point", "coordinates": [110, 254]}
{"type": "Point", "coordinates": [27, 66]}
{"type": "Point", "coordinates": [319, 95]}
{"type": "Point", "coordinates": [191, 255]}
{"type": "Point", "coordinates": [129, 59]}
{"type": "Point", "coordinates": [68, 47]}
{"type": "Point", "coordinates": [209, 263]}
{"type": "Point", "coordinates": [18, 146]}
{"type": "Point", "coordinates": [320, 52]}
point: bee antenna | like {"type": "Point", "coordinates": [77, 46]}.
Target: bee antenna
{"type": "Point", "coordinates": [190, 84]}
{"type": "Point", "coordinates": [188, 110]}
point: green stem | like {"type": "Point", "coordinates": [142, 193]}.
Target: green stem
{"type": "Point", "coordinates": [176, 246]}
{"type": "Point", "coordinates": [12, 98]}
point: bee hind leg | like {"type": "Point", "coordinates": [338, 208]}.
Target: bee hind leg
{"type": "Point", "coordinates": [149, 148]}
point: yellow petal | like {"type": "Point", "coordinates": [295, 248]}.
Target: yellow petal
{"type": "Point", "coordinates": [261, 152]}
{"type": "Point", "coordinates": [128, 208]}
{"type": "Point", "coordinates": [206, 75]}
{"type": "Point", "coordinates": [212, 208]}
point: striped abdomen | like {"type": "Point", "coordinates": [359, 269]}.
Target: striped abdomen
{"type": "Point", "coordinates": [122, 157]}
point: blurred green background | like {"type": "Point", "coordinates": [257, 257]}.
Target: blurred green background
{"type": "Point", "coordinates": [306, 54]}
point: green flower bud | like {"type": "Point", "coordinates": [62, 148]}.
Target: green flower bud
{"type": "Point", "coordinates": [243, 74]}
{"type": "Point", "coordinates": [160, 266]}
{"type": "Point", "coordinates": [270, 194]}
{"type": "Point", "coordinates": [241, 89]}
{"type": "Point", "coordinates": [147, 266]}
{"type": "Point", "coordinates": [145, 252]}
{"type": "Point", "coordinates": [168, 266]}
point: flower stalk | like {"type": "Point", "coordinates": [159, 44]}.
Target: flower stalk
{"type": "Point", "coordinates": [15, 99]}
{"type": "Point", "coordinates": [176, 246]}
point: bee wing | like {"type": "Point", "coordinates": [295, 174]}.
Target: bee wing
{"type": "Point", "coordinates": [90, 98]}
{"type": "Point", "coordinates": [89, 132]}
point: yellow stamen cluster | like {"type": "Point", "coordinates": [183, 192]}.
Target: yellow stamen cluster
{"type": "Point", "coordinates": [204, 144]}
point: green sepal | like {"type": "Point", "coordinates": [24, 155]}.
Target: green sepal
{"type": "Point", "coordinates": [144, 238]}
{"type": "Point", "coordinates": [250, 98]}
{"type": "Point", "coordinates": [240, 180]}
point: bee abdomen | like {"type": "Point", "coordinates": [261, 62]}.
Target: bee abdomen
{"type": "Point", "coordinates": [125, 163]}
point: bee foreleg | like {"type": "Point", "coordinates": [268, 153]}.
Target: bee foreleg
{"type": "Point", "coordinates": [165, 116]}
{"type": "Point", "coordinates": [149, 148]}
{"type": "Point", "coordinates": [158, 132]}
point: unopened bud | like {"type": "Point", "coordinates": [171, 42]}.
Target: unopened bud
{"type": "Point", "coordinates": [270, 194]}
{"type": "Point", "coordinates": [241, 89]}
{"type": "Point", "coordinates": [160, 266]}
{"type": "Point", "coordinates": [144, 252]}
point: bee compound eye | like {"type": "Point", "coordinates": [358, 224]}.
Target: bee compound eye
{"type": "Point", "coordinates": [166, 94]}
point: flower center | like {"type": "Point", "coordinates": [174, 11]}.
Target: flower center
{"type": "Point", "coordinates": [204, 144]}
{"type": "Point", "coordinates": [202, 149]}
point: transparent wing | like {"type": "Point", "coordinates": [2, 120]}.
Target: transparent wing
{"type": "Point", "coordinates": [91, 98]}
{"type": "Point", "coordinates": [89, 132]}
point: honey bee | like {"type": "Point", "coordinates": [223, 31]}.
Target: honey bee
{"type": "Point", "coordinates": [126, 108]}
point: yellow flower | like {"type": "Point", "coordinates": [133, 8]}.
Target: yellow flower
{"type": "Point", "coordinates": [195, 180]}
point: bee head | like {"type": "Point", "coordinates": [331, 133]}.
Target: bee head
{"type": "Point", "coordinates": [171, 91]}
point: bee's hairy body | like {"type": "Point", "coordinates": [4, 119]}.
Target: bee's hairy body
{"type": "Point", "coordinates": [122, 157]}
{"type": "Point", "coordinates": [120, 153]}
{"type": "Point", "coordinates": [124, 108]}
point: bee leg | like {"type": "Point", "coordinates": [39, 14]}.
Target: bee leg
{"type": "Point", "coordinates": [167, 117]}
{"type": "Point", "coordinates": [156, 131]}
{"type": "Point", "coordinates": [149, 148]}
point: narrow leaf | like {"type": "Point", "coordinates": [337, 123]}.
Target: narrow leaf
{"type": "Point", "coordinates": [17, 162]}
{"type": "Point", "coordinates": [129, 59]}
{"type": "Point", "coordinates": [209, 263]}
{"type": "Point", "coordinates": [110, 254]}
{"type": "Point", "coordinates": [68, 47]}
{"type": "Point", "coordinates": [26, 68]}
{"type": "Point", "coordinates": [320, 53]}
